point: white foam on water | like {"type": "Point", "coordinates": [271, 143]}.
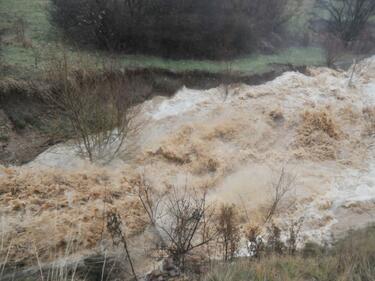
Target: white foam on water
{"type": "Point", "coordinates": [59, 156]}
{"type": "Point", "coordinates": [355, 186]}
{"type": "Point", "coordinates": [369, 92]}
{"type": "Point", "coordinates": [292, 92]}
{"type": "Point", "coordinates": [184, 100]}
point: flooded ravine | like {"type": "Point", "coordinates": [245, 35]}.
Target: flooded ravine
{"type": "Point", "coordinates": [232, 142]}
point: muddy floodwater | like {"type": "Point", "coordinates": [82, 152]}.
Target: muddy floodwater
{"type": "Point", "coordinates": [232, 142]}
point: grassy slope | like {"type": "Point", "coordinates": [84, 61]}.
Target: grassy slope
{"type": "Point", "coordinates": [352, 258]}
{"type": "Point", "coordinates": [21, 61]}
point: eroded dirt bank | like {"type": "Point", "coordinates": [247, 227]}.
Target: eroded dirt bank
{"type": "Point", "coordinates": [231, 142]}
{"type": "Point", "coordinates": [28, 127]}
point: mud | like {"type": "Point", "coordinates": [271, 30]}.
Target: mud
{"type": "Point", "coordinates": [232, 142]}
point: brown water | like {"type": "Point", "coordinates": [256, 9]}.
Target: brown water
{"type": "Point", "coordinates": [318, 127]}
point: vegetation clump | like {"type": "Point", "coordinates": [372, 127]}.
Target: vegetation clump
{"type": "Point", "coordinates": [351, 258]}
{"type": "Point", "coordinates": [194, 29]}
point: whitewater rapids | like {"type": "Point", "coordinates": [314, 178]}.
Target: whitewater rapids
{"type": "Point", "coordinates": [232, 142]}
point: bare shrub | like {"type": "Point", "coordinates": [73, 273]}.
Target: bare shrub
{"type": "Point", "coordinates": [351, 258]}
{"type": "Point", "coordinates": [181, 219]}
{"type": "Point", "coordinates": [150, 198]}
{"type": "Point", "coordinates": [228, 231]}
{"type": "Point", "coordinates": [101, 113]}
{"type": "Point", "coordinates": [185, 223]}
{"type": "Point", "coordinates": [347, 18]}
{"type": "Point", "coordinates": [280, 188]}
{"type": "Point", "coordinates": [114, 226]}
{"type": "Point", "coordinates": [274, 243]}
{"type": "Point", "coordinates": [294, 236]}
{"type": "Point", "coordinates": [255, 243]}
{"type": "Point", "coordinates": [333, 48]}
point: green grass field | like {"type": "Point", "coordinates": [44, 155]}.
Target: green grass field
{"type": "Point", "coordinates": [27, 57]}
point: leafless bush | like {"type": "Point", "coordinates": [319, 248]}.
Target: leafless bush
{"type": "Point", "coordinates": [114, 226]}
{"type": "Point", "coordinates": [280, 188]}
{"type": "Point", "coordinates": [101, 113]}
{"type": "Point", "coordinates": [150, 198]}
{"type": "Point", "coordinates": [274, 243]}
{"type": "Point", "coordinates": [333, 48]}
{"type": "Point", "coordinates": [254, 241]}
{"type": "Point", "coordinates": [185, 223]}
{"type": "Point", "coordinates": [188, 223]}
{"type": "Point", "coordinates": [181, 218]}
{"type": "Point", "coordinates": [228, 231]}
{"type": "Point", "coordinates": [347, 18]}
{"type": "Point", "coordinates": [293, 238]}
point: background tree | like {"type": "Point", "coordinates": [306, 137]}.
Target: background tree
{"type": "Point", "coordinates": [347, 18]}
{"type": "Point", "coordinates": [173, 28]}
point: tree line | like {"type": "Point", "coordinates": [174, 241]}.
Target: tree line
{"type": "Point", "coordinates": [172, 28]}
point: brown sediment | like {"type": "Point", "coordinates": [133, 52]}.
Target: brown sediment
{"type": "Point", "coordinates": [319, 134]}
{"type": "Point", "coordinates": [233, 147]}
{"type": "Point", "coordinates": [47, 211]}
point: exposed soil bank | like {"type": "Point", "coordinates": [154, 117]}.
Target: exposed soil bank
{"type": "Point", "coordinates": [26, 128]}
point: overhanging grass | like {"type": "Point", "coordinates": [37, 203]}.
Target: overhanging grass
{"type": "Point", "coordinates": [23, 60]}
{"type": "Point", "coordinates": [249, 65]}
